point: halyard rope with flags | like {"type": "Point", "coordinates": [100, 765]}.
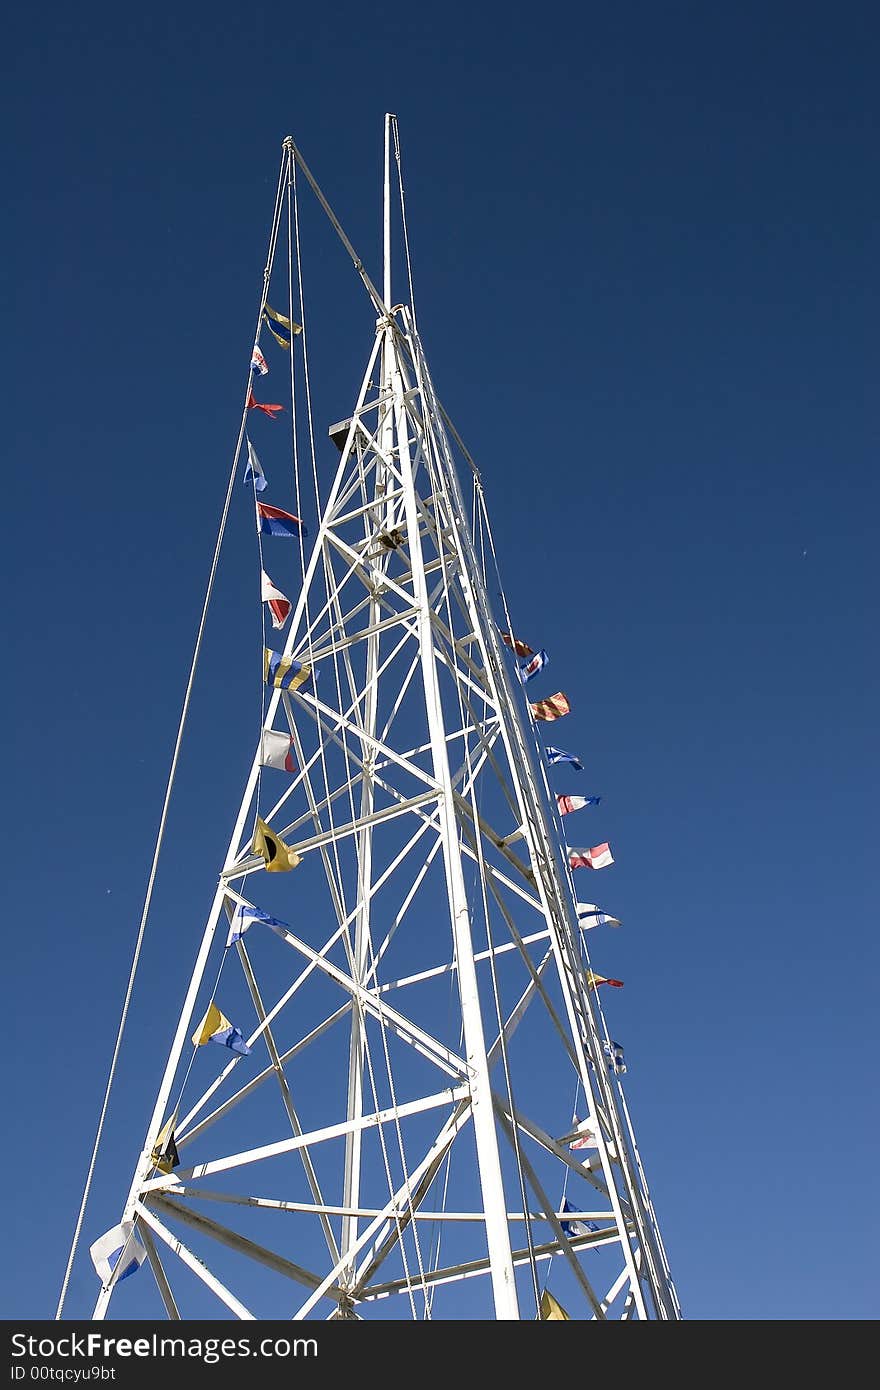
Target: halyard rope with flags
{"type": "Point", "coordinates": [273, 237]}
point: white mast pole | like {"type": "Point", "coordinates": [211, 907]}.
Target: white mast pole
{"type": "Point", "coordinates": [386, 286]}
{"type": "Point", "coordinates": [360, 965]}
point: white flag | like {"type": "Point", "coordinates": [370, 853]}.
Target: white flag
{"type": "Point", "coordinates": [276, 750]}
{"type": "Point", "coordinates": [107, 1249]}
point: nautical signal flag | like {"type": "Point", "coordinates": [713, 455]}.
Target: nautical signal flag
{"type": "Point", "coordinates": [258, 361]}
{"type": "Point", "coordinates": [594, 981]}
{"type": "Point", "coordinates": [559, 755]}
{"type": "Point", "coordinates": [283, 672]}
{"type": "Point", "coordinates": [272, 521]}
{"type": "Point", "coordinates": [554, 707]}
{"type": "Point", "coordinates": [253, 472]}
{"type": "Point", "coordinates": [581, 1227]}
{"type": "Point", "coordinates": [277, 856]}
{"type": "Point", "coordinates": [164, 1155]}
{"type": "Point", "coordinates": [533, 667]}
{"type": "Point", "coordinates": [589, 915]}
{"type": "Point", "coordinates": [279, 604]}
{"type": "Point", "coordinates": [243, 919]}
{"type": "Point", "coordinates": [551, 1310]}
{"type": "Point", "coordinates": [584, 1136]}
{"type": "Point", "coordinates": [280, 327]}
{"type": "Point", "coordinates": [215, 1027]}
{"type": "Point", "coordinates": [566, 804]}
{"type": "Point", "coordinates": [521, 648]}
{"type": "Point", "coordinates": [120, 1241]}
{"type": "Point", "coordinates": [267, 409]}
{"type": "Point", "coordinates": [599, 857]}
{"type": "Point", "coordinates": [276, 750]}
{"type": "Point", "coordinates": [616, 1061]}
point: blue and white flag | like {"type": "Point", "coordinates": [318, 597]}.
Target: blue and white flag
{"type": "Point", "coordinates": [614, 1052]}
{"type": "Point", "coordinates": [559, 755]}
{"type": "Point", "coordinates": [106, 1250]}
{"type": "Point", "coordinates": [243, 919]}
{"type": "Point", "coordinates": [576, 1228]}
{"type": "Point", "coordinates": [589, 915]}
{"type": "Point", "coordinates": [533, 666]}
{"type": "Point", "coordinates": [258, 361]}
{"type": "Point", "coordinates": [253, 473]}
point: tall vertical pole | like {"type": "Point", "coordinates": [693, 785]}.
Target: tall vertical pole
{"type": "Point", "coordinates": [360, 964]}
{"type": "Point", "coordinates": [386, 240]}
{"type": "Point", "coordinates": [485, 1132]}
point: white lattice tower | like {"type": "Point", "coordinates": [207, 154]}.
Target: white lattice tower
{"type": "Point", "coordinates": [398, 1141]}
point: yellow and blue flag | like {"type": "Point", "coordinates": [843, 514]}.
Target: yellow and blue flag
{"type": "Point", "coordinates": [215, 1027]}
{"type": "Point", "coordinates": [281, 328]}
{"type": "Point", "coordinates": [283, 672]}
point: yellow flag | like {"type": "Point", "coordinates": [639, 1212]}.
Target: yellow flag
{"type": "Point", "coordinates": [551, 1311]}
{"type": "Point", "coordinates": [278, 856]}
{"type": "Point", "coordinates": [210, 1024]}
{"type": "Point", "coordinates": [164, 1155]}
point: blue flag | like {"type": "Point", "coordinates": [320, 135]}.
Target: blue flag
{"type": "Point", "coordinates": [253, 473]}
{"type": "Point", "coordinates": [533, 666]}
{"type": "Point", "coordinates": [576, 1228]}
{"type": "Point", "coordinates": [559, 755]}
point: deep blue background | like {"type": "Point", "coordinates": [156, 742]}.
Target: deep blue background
{"type": "Point", "coordinates": [645, 253]}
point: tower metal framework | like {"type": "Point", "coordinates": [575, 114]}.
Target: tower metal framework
{"type": "Point", "coordinates": [401, 1140]}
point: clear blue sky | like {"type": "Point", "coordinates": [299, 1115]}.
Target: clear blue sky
{"type": "Point", "coordinates": [645, 243]}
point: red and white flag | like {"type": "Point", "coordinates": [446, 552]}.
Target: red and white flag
{"type": "Point", "coordinates": [585, 1135]}
{"type": "Point", "coordinates": [276, 750]}
{"type": "Point", "coordinates": [279, 604]}
{"type": "Point", "coordinates": [599, 857]}
{"type": "Point", "coordinates": [565, 804]}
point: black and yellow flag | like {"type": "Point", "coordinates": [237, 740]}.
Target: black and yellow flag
{"type": "Point", "coordinates": [164, 1155]}
{"type": "Point", "coordinates": [278, 856]}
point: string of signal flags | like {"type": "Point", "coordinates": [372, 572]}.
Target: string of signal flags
{"type": "Point", "coordinates": [119, 1252]}
{"type": "Point", "coordinates": [551, 708]}
{"type": "Point", "coordinates": [584, 1134]}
